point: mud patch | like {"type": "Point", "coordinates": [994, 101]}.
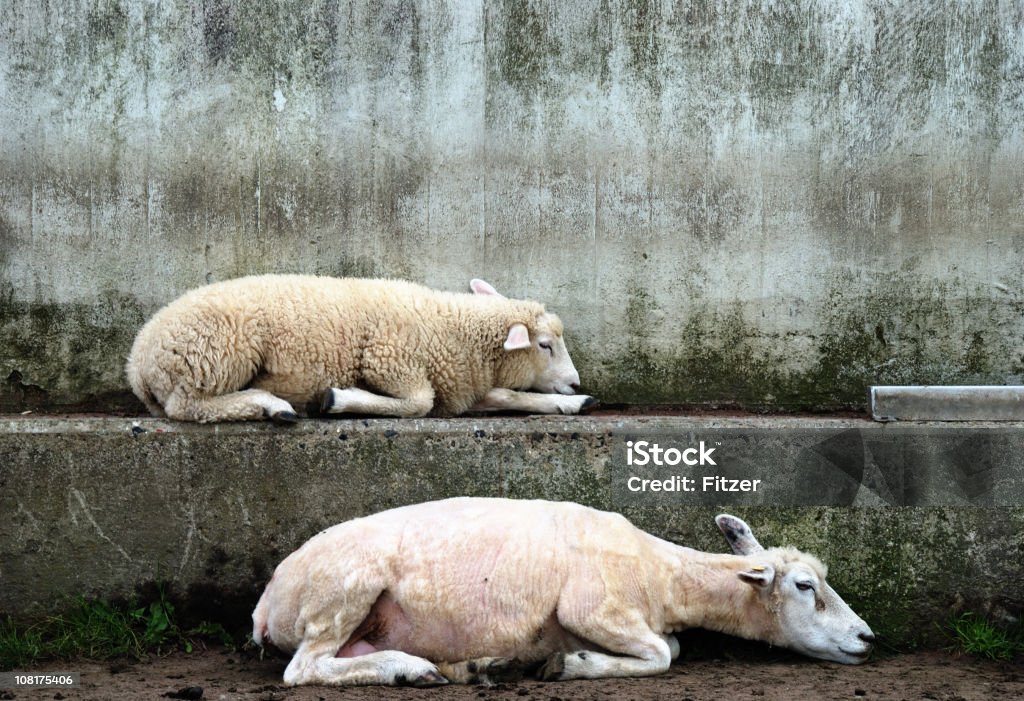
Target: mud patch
{"type": "Point", "coordinates": [231, 675]}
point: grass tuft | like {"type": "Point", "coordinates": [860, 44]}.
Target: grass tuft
{"type": "Point", "coordinates": [19, 647]}
{"type": "Point", "coordinates": [977, 636]}
{"type": "Point", "coordinates": [96, 629]}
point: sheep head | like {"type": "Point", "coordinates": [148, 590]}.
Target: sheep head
{"type": "Point", "coordinates": [810, 617]}
{"type": "Point", "coordinates": [551, 368]}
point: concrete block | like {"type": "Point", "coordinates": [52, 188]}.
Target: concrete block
{"type": "Point", "coordinates": [107, 506]}
{"type": "Point", "coordinates": [948, 403]}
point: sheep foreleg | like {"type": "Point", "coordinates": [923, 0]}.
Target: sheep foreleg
{"type": "Point", "coordinates": [500, 399]}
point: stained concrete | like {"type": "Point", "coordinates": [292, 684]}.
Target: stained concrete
{"type": "Point", "coordinates": [106, 507]}
{"type": "Point", "coordinates": [766, 204]}
{"type": "Point", "coordinates": [769, 204]}
{"type": "Point", "coordinates": [956, 403]}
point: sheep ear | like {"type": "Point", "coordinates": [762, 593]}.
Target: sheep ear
{"type": "Point", "coordinates": [738, 534]}
{"type": "Point", "coordinates": [481, 287]}
{"type": "Point", "coordinates": [760, 576]}
{"type": "Point", "coordinates": [518, 338]}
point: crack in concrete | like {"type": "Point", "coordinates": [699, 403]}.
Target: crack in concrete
{"type": "Point", "coordinates": [88, 514]}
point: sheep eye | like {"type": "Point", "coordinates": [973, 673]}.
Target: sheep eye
{"type": "Point", "coordinates": [546, 346]}
{"type": "Point", "coordinates": [804, 586]}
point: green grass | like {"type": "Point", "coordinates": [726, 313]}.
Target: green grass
{"type": "Point", "coordinates": [977, 636]}
{"type": "Point", "coordinates": [96, 629]}
{"type": "Point", "coordinates": [18, 648]}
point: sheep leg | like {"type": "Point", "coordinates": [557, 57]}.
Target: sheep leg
{"type": "Point", "coordinates": [646, 656]}
{"type": "Point", "coordinates": [247, 404]}
{"type": "Point", "coordinates": [354, 400]}
{"type": "Point", "coordinates": [316, 664]}
{"type": "Point", "coordinates": [633, 649]}
{"type": "Point", "coordinates": [673, 646]}
{"type": "Point", "coordinates": [500, 399]}
{"type": "Point", "coordinates": [487, 671]}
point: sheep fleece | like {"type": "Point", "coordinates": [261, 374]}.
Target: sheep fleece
{"type": "Point", "coordinates": [294, 335]}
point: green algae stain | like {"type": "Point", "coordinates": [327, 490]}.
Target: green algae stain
{"type": "Point", "coordinates": [106, 28]}
{"type": "Point", "coordinates": [716, 360]}
{"type": "Point", "coordinates": [290, 41]}
{"type": "Point", "coordinates": [976, 360]}
{"type": "Point", "coordinates": [65, 354]}
{"type": "Point", "coordinates": [642, 27]}
{"type": "Point", "coordinates": [524, 45]}
{"type": "Point", "coordinates": [906, 330]}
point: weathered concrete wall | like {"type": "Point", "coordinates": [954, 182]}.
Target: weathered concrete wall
{"type": "Point", "coordinates": [769, 203]}
{"type": "Point", "coordinates": [99, 506]}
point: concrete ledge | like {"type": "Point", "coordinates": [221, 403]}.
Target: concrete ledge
{"type": "Point", "coordinates": [103, 506]}
{"type": "Point", "coordinates": [948, 403]}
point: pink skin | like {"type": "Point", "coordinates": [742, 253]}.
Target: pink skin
{"type": "Point", "coordinates": [356, 649]}
{"type": "Point", "coordinates": [381, 599]}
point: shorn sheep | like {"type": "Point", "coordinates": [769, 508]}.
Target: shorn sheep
{"type": "Point", "coordinates": [258, 347]}
{"type": "Point", "coordinates": [476, 590]}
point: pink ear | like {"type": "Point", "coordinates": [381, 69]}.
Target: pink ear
{"type": "Point", "coordinates": [759, 576]}
{"type": "Point", "coordinates": [484, 288]}
{"type": "Point", "coordinates": [518, 338]}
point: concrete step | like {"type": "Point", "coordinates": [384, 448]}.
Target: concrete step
{"type": "Point", "coordinates": [906, 516]}
{"type": "Point", "coordinates": [947, 403]}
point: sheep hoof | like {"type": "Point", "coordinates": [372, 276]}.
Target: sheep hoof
{"type": "Point", "coordinates": [490, 671]}
{"type": "Point", "coordinates": [326, 401]}
{"type": "Point", "coordinates": [589, 403]}
{"type": "Point", "coordinates": [504, 669]}
{"type": "Point", "coordinates": [428, 679]}
{"type": "Point", "coordinates": [553, 668]}
{"type": "Point", "coordinates": [284, 418]}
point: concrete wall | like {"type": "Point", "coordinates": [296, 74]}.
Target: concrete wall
{"type": "Point", "coordinates": [104, 507]}
{"type": "Point", "coordinates": [774, 204]}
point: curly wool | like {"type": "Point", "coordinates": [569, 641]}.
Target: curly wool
{"type": "Point", "coordinates": [294, 335]}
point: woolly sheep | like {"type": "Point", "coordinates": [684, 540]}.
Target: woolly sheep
{"type": "Point", "coordinates": [256, 347]}
{"type": "Point", "coordinates": [475, 590]}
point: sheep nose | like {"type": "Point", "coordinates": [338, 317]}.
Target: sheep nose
{"type": "Point", "coordinates": [575, 386]}
{"type": "Point", "coordinates": [867, 637]}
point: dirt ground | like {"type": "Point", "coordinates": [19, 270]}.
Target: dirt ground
{"type": "Point", "coordinates": [230, 675]}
